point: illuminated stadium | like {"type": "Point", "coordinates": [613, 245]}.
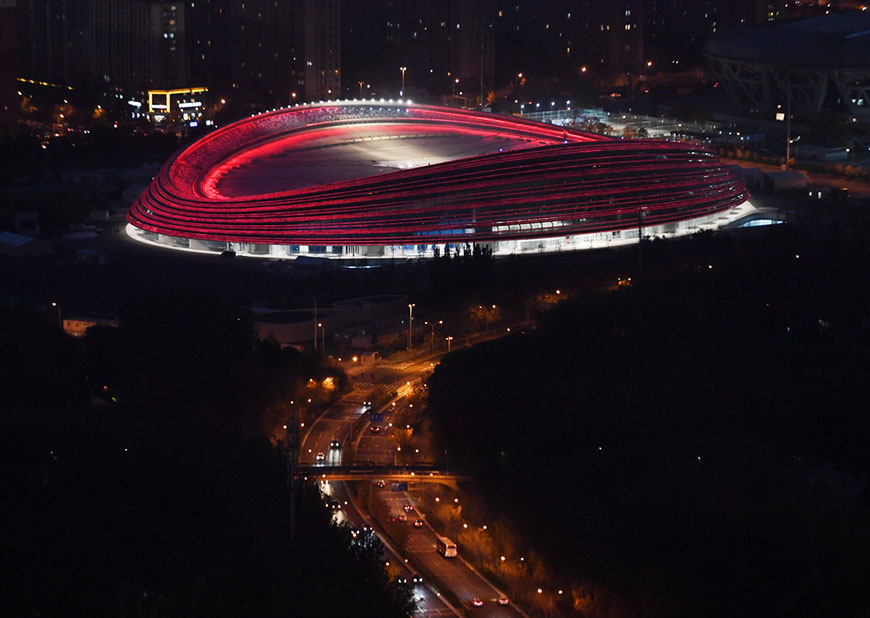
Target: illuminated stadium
{"type": "Point", "coordinates": [369, 180]}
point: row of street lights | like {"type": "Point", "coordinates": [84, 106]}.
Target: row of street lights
{"type": "Point", "coordinates": [453, 84]}
{"type": "Point", "coordinates": [538, 105]}
{"type": "Point", "coordinates": [319, 326]}
{"type": "Point", "coordinates": [362, 83]}
{"type": "Point", "coordinates": [432, 324]}
{"type": "Point", "coordinates": [548, 596]}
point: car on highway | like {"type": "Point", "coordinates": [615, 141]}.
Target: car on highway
{"type": "Point", "coordinates": [401, 579]}
{"type": "Point", "coordinates": [375, 429]}
{"type": "Point", "coordinates": [335, 445]}
{"type": "Point", "coordinates": [381, 483]}
{"type": "Point", "coordinates": [417, 579]}
{"type": "Point", "coordinates": [320, 456]}
{"type": "Point", "coordinates": [418, 523]}
{"type": "Point", "coordinates": [407, 508]}
{"type": "Point", "coordinates": [477, 602]}
{"type": "Point", "coordinates": [502, 601]}
{"type": "Point", "coordinates": [403, 517]}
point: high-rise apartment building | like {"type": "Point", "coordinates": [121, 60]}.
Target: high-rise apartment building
{"type": "Point", "coordinates": [610, 35]}
{"type": "Point", "coordinates": [9, 52]}
{"type": "Point", "coordinates": [438, 43]}
{"type": "Point", "coordinates": [52, 41]}
{"type": "Point", "coordinates": [251, 49]}
{"type": "Point", "coordinates": [119, 44]}
{"type": "Point", "coordinates": [260, 51]}
{"type": "Point", "coordinates": [560, 39]}
{"type": "Point", "coordinates": [321, 34]}
{"type": "Point", "coordinates": [475, 46]}
{"type": "Point", "coordinates": [137, 44]}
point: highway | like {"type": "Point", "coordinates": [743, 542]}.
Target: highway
{"type": "Point", "coordinates": [421, 550]}
{"type": "Point", "coordinates": [336, 423]}
{"type": "Point", "coordinates": [428, 603]}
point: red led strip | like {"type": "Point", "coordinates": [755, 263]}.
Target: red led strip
{"type": "Point", "coordinates": [557, 183]}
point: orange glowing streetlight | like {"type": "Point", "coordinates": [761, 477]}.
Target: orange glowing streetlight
{"type": "Point", "coordinates": [410, 323]}
{"type": "Point", "coordinates": [432, 325]}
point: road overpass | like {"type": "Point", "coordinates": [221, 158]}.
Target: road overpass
{"type": "Point", "coordinates": [356, 472]}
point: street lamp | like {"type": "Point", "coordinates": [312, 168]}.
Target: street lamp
{"type": "Point", "coordinates": [322, 336]}
{"type": "Point", "coordinates": [402, 91]}
{"type": "Point", "coordinates": [59, 320]}
{"type": "Point", "coordinates": [548, 599]}
{"type": "Point", "coordinates": [299, 411]}
{"type": "Point", "coordinates": [432, 324]}
{"type": "Point", "coordinates": [489, 316]}
{"type": "Point", "coordinates": [360, 82]}
{"type": "Point", "coordinates": [787, 126]}
{"type": "Point", "coordinates": [410, 323]}
{"type": "Point", "coordinates": [793, 143]}
{"type": "Point", "coordinates": [641, 215]}
{"type": "Point", "coordinates": [315, 324]}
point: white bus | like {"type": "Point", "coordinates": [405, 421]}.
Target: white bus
{"type": "Point", "coordinates": [446, 547]}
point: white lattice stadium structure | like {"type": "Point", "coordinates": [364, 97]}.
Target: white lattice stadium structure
{"type": "Point", "coordinates": [822, 62]}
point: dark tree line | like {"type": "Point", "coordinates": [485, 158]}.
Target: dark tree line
{"type": "Point", "coordinates": [694, 444]}
{"type": "Point", "coordinates": [160, 495]}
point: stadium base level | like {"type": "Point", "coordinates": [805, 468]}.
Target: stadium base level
{"type": "Point", "coordinates": [374, 254]}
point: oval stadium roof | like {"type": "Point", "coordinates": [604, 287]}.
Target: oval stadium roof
{"type": "Point", "coordinates": [841, 40]}
{"type": "Point", "coordinates": [495, 179]}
